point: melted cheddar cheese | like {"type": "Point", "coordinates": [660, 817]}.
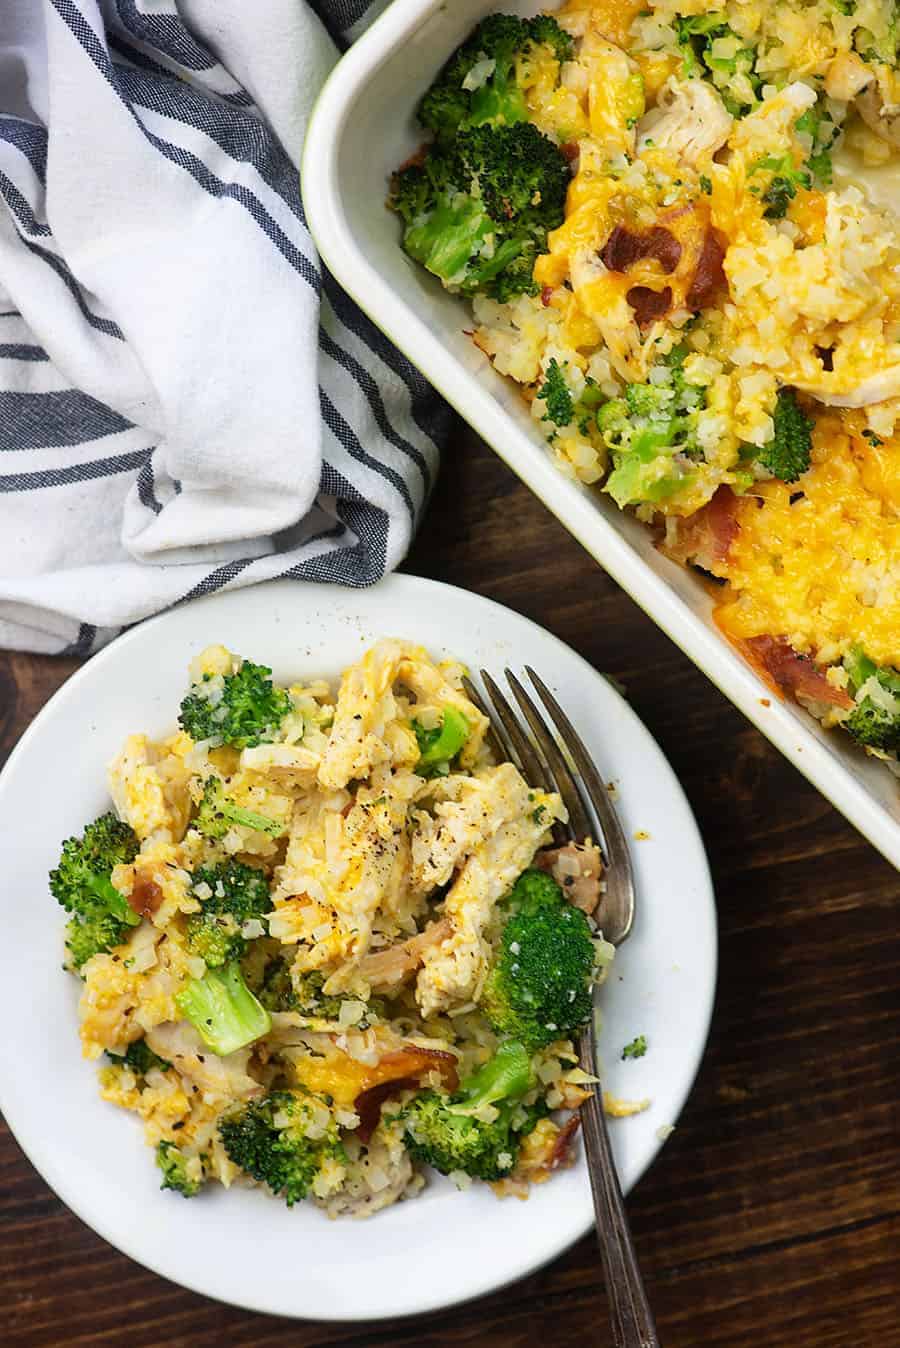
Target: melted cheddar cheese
{"type": "Point", "coordinates": [819, 562]}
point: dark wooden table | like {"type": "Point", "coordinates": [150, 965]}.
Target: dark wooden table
{"type": "Point", "coordinates": [772, 1217]}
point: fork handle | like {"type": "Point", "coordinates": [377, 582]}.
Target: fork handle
{"type": "Point", "coordinates": [631, 1318]}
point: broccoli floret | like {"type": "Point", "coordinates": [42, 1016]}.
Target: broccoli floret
{"type": "Point", "coordinates": [652, 434]}
{"type": "Point", "coordinates": [276, 990]}
{"type": "Point", "coordinates": [310, 1000]}
{"type": "Point", "coordinates": [90, 936]}
{"type": "Point", "coordinates": [440, 744]}
{"type": "Point", "coordinates": [562, 407]}
{"type": "Point", "coordinates": [242, 709]}
{"type": "Point", "coordinates": [636, 1049]}
{"type": "Point", "coordinates": [216, 940]}
{"type": "Point", "coordinates": [786, 178]}
{"type": "Point", "coordinates": [816, 124]}
{"type": "Point", "coordinates": [481, 81]}
{"type": "Point", "coordinates": [859, 668]}
{"type": "Point", "coordinates": [139, 1058]}
{"type": "Point", "coordinates": [787, 454]}
{"type": "Point", "coordinates": [173, 1164]}
{"type": "Point", "coordinates": [545, 29]}
{"type": "Point", "coordinates": [239, 890]}
{"type": "Point", "coordinates": [443, 1131]}
{"type": "Point", "coordinates": [216, 814]}
{"type": "Point", "coordinates": [710, 48]}
{"type": "Point", "coordinates": [268, 1140]}
{"type": "Point", "coordinates": [781, 192]}
{"type": "Point", "coordinates": [477, 213]}
{"type": "Point", "coordinates": [874, 726]}
{"type": "Point", "coordinates": [648, 401]}
{"type": "Point", "coordinates": [223, 1010]}
{"type": "Point", "coordinates": [533, 890]}
{"type": "Point", "coordinates": [875, 720]}
{"type": "Point", "coordinates": [237, 894]}
{"type": "Point", "coordinates": [81, 883]}
{"type": "Point", "coordinates": [556, 396]}
{"type": "Point", "coordinates": [539, 987]}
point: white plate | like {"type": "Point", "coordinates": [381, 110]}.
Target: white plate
{"type": "Point", "coordinates": [361, 129]}
{"type": "Point", "coordinates": [245, 1247]}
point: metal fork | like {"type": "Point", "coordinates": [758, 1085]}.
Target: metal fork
{"type": "Point", "coordinates": [564, 765]}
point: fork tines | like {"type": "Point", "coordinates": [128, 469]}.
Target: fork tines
{"type": "Point", "coordinates": [560, 762]}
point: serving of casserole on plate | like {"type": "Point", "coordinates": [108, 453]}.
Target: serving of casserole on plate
{"type": "Point", "coordinates": [669, 226]}
{"type": "Point", "coordinates": [325, 943]}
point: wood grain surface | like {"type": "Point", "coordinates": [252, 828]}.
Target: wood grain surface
{"type": "Point", "coordinates": [772, 1216]}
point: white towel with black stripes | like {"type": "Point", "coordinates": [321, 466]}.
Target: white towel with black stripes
{"type": "Point", "coordinates": [187, 401]}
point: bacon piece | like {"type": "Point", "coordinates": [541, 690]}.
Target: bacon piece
{"type": "Point", "coordinates": [577, 868]}
{"type": "Point", "coordinates": [368, 1104]}
{"type": "Point", "coordinates": [624, 248]}
{"type": "Point", "coordinates": [710, 274]}
{"type": "Point", "coordinates": [145, 897]}
{"type": "Point", "coordinates": [704, 539]}
{"type": "Point", "coordinates": [649, 305]}
{"type": "Point", "coordinates": [689, 251]}
{"type": "Point", "coordinates": [401, 1070]}
{"type": "Point", "coordinates": [560, 1156]}
{"type": "Point", "coordinates": [387, 969]}
{"type": "Point", "coordinates": [546, 295]}
{"type": "Point", "coordinates": [416, 1059]}
{"type": "Point", "coordinates": [790, 672]}
{"type": "Point", "coordinates": [570, 151]}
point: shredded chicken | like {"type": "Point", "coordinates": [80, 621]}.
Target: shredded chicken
{"type": "Point", "coordinates": [385, 970]}
{"type": "Point", "coordinates": [453, 972]}
{"type": "Point", "coordinates": [149, 790]}
{"type": "Point", "coordinates": [180, 1044]}
{"type": "Point", "coordinates": [882, 118]}
{"type": "Point", "coordinates": [847, 77]}
{"type": "Point", "coordinates": [578, 869]}
{"type": "Point", "coordinates": [369, 727]}
{"type": "Point", "coordinates": [877, 388]}
{"type": "Point", "coordinates": [289, 765]}
{"type": "Point", "coordinates": [690, 120]}
{"type": "Point", "coordinates": [466, 810]}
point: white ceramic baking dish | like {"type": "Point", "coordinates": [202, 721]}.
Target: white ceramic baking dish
{"type": "Point", "coordinates": [362, 128]}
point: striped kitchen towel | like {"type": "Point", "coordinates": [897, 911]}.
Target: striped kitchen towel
{"type": "Point", "coordinates": [188, 402]}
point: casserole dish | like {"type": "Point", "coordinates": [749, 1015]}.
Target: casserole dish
{"type": "Point", "coordinates": [362, 127]}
